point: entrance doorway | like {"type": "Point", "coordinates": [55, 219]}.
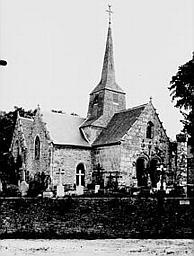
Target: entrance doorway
{"type": "Point", "coordinates": [154, 172]}
{"type": "Point", "coordinates": [141, 170]}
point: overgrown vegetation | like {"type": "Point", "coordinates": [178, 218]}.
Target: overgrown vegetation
{"type": "Point", "coordinates": [7, 123]}
{"type": "Point", "coordinates": [182, 92]}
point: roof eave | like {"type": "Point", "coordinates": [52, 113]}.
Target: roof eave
{"type": "Point", "coordinates": [107, 144]}
{"type": "Point", "coordinates": [108, 89]}
{"type": "Point", "coordinates": [71, 145]}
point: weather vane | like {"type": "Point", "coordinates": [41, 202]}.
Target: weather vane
{"type": "Point", "coordinates": [109, 12]}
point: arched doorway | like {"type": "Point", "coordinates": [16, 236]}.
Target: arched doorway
{"type": "Point", "coordinates": [141, 170]}
{"type": "Point", "coordinates": [80, 175]}
{"type": "Point", "coordinates": [154, 172]}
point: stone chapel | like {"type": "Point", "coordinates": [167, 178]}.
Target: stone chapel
{"type": "Point", "coordinates": [129, 146]}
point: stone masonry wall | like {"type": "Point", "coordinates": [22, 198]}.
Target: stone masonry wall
{"type": "Point", "coordinates": [105, 105]}
{"type": "Point", "coordinates": [17, 138]}
{"type": "Point", "coordinates": [42, 164]}
{"type": "Point", "coordinates": [109, 158]}
{"type": "Point", "coordinates": [131, 147]}
{"type": "Point", "coordinates": [110, 107]}
{"type": "Point", "coordinates": [66, 159]}
{"type": "Point", "coordinates": [102, 111]}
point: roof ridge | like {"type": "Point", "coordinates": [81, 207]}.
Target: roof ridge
{"type": "Point", "coordinates": [62, 114]}
{"type": "Point", "coordinates": [28, 118]}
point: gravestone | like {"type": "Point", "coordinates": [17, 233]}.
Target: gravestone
{"type": "Point", "coordinates": [184, 202]}
{"type": "Point", "coordinates": [60, 191]}
{"type": "Point", "coordinates": [47, 193]}
{"type": "Point", "coordinates": [97, 187]}
{"type": "Point", "coordinates": [79, 190]}
{"type": "Point", "coordinates": [1, 186]}
{"type": "Point", "coordinates": [24, 188]}
{"type": "Point", "coordinates": [60, 187]}
{"type": "Point", "coordinates": [159, 184]}
{"type": "Point", "coordinates": [164, 185]}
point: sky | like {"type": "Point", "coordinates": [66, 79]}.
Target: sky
{"type": "Point", "coordinates": [55, 51]}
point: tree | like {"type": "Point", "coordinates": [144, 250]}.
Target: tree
{"type": "Point", "coordinates": [7, 124]}
{"type": "Point", "coordinates": [182, 91]}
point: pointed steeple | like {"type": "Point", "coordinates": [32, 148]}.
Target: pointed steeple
{"type": "Point", "coordinates": [108, 71]}
{"type": "Point", "coordinates": [107, 98]}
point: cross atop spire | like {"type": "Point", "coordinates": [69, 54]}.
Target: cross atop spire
{"type": "Point", "coordinates": [107, 97]}
{"type": "Point", "coordinates": [108, 71]}
{"type": "Point", "coordinates": [109, 13]}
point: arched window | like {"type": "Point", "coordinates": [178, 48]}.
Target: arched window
{"type": "Point", "coordinates": [17, 148]}
{"type": "Point", "coordinates": [37, 148]}
{"type": "Point", "coordinates": [80, 175]}
{"type": "Point", "coordinates": [18, 156]}
{"type": "Point", "coordinates": [150, 130]}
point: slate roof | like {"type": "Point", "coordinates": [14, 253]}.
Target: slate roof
{"type": "Point", "coordinates": [99, 122]}
{"type": "Point", "coordinates": [64, 129]}
{"type": "Point", "coordinates": [118, 126]}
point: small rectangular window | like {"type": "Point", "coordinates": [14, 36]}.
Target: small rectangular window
{"type": "Point", "coordinates": [115, 98]}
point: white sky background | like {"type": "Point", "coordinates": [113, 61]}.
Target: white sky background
{"type": "Point", "coordinates": [55, 50]}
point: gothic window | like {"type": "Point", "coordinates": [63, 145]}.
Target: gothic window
{"type": "Point", "coordinates": [37, 148]}
{"type": "Point", "coordinates": [18, 156]}
{"type": "Point", "coordinates": [50, 156]}
{"type": "Point", "coordinates": [80, 175]}
{"type": "Point", "coordinates": [115, 98]}
{"type": "Point", "coordinates": [150, 130]}
{"type": "Point", "coordinates": [17, 148]}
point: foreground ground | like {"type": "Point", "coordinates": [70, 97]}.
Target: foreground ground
{"type": "Point", "coordinates": [113, 247]}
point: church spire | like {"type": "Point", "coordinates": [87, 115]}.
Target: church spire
{"type": "Point", "coordinates": [107, 98]}
{"type": "Point", "coordinates": [108, 71]}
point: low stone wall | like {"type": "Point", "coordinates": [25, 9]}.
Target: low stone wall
{"type": "Point", "coordinates": [91, 218]}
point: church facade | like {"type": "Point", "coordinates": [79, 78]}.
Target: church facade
{"type": "Point", "coordinates": [127, 146]}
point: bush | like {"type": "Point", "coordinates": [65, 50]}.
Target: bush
{"type": "Point", "coordinates": [144, 192]}
{"type": "Point", "coordinates": [177, 191]}
{"type": "Point", "coordinates": [35, 188]}
{"type": "Point", "coordinates": [39, 184]}
{"type": "Point", "coordinates": [11, 190]}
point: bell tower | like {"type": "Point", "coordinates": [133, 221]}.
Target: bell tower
{"type": "Point", "coordinates": [107, 97]}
